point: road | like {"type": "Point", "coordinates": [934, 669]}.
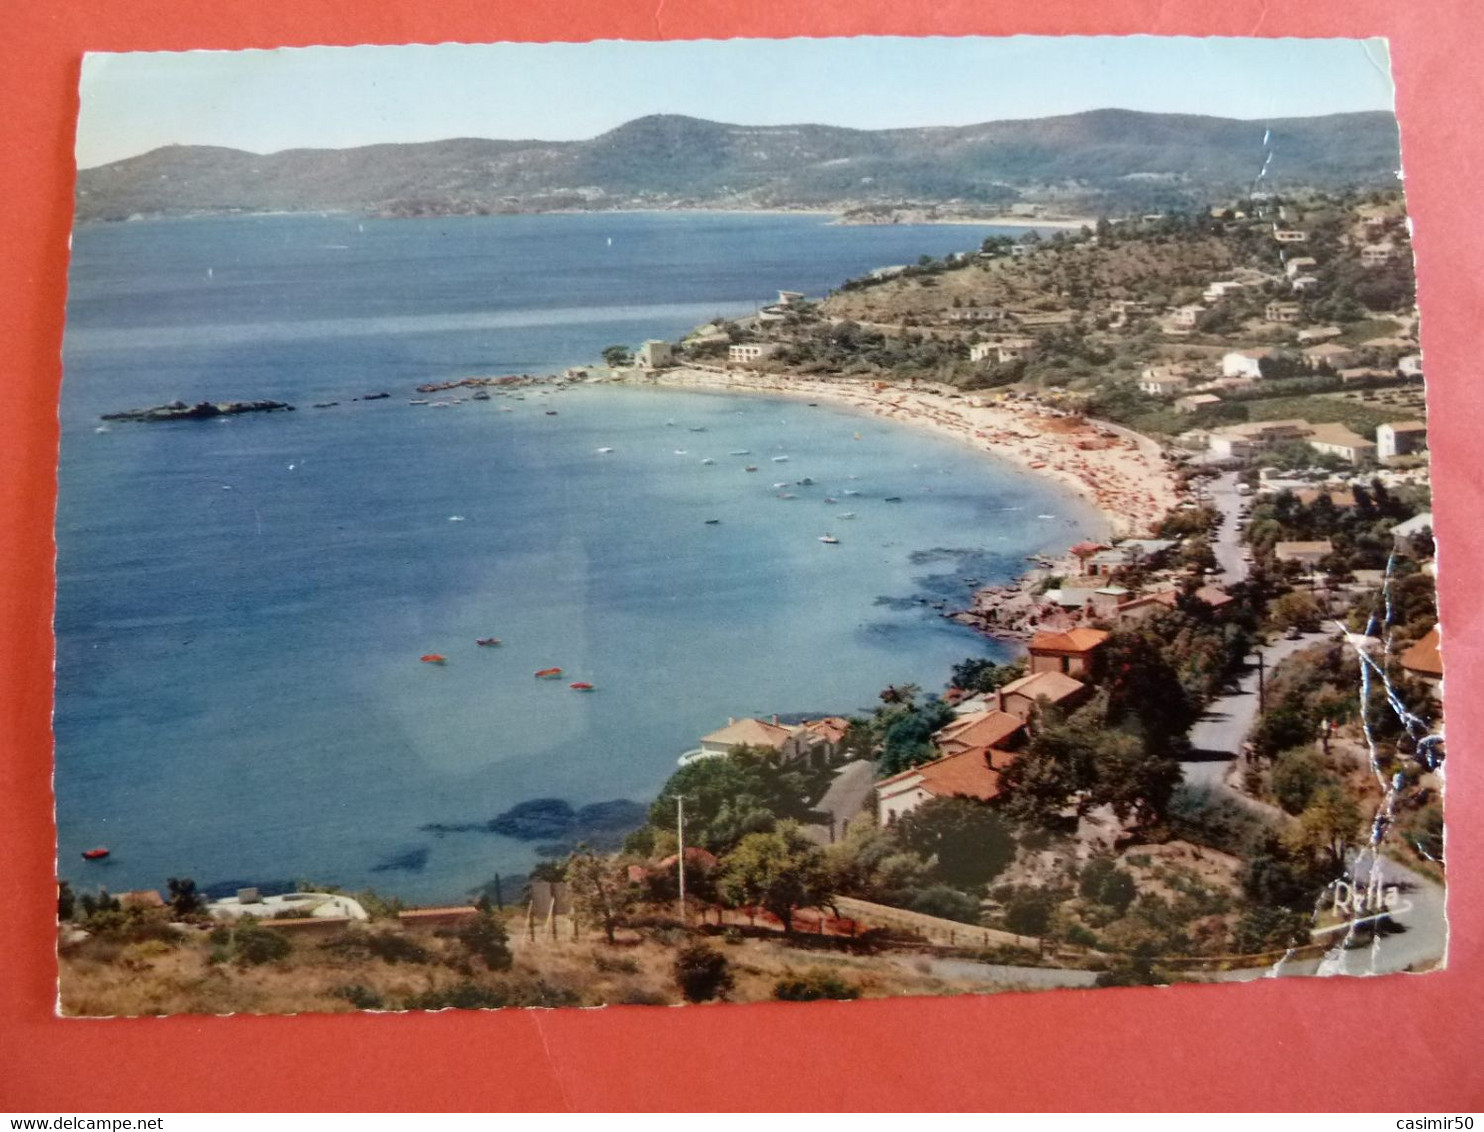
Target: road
{"type": "Point", "coordinates": [1222, 491]}
{"type": "Point", "coordinates": [1218, 735]}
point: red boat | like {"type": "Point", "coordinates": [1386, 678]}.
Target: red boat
{"type": "Point", "coordinates": [434, 658]}
{"type": "Point", "coordinates": [548, 673]}
{"type": "Point", "coordinates": [486, 642]}
{"type": "Point", "coordinates": [94, 854]}
{"type": "Point", "coordinates": [581, 686]}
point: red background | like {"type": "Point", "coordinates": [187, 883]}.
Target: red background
{"type": "Point", "coordinates": [1397, 1043]}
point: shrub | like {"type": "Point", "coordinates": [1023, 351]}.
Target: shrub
{"type": "Point", "coordinates": [946, 903]}
{"type": "Point", "coordinates": [814, 985]}
{"type": "Point", "coordinates": [615, 964]}
{"type": "Point", "coordinates": [486, 938]}
{"type": "Point", "coordinates": [702, 973]}
{"type": "Point", "coordinates": [1029, 912]}
{"type": "Point", "coordinates": [460, 996]}
{"type": "Point", "coordinates": [396, 948]}
{"type": "Point", "coordinates": [1105, 883]}
{"type": "Point", "coordinates": [253, 945]}
{"type": "Point", "coordinates": [362, 998]}
{"type": "Point", "coordinates": [1297, 777]}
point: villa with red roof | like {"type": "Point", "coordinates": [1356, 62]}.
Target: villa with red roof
{"type": "Point", "coordinates": [1070, 653]}
{"type": "Point", "coordinates": [970, 774]}
{"type": "Point", "coordinates": [1020, 697]}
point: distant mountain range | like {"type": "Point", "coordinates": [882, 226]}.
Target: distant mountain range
{"type": "Point", "coordinates": [1101, 160]}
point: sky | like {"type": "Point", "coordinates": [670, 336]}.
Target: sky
{"type": "Point", "coordinates": [338, 97]}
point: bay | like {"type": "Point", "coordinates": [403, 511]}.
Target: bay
{"type": "Point", "coordinates": [242, 604]}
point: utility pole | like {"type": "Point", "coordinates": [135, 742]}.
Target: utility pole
{"type": "Point", "coordinates": [680, 849]}
{"type": "Point", "coordinates": [1261, 692]}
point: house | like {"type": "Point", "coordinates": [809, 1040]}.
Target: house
{"type": "Point", "coordinates": [980, 351]}
{"type": "Point", "coordinates": [1238, 440]}
{"type": "Point", "coordinates": [1300, 265]}
{"type": "Point", "coordinates": [1141, 607]}
{"type": "Point", "coordinates": [1196, 402]}
{"type": "Point", "coordinates": [832, 730]}
{"type": "Point", "coordinates": [789, 298]}
{"type": "Point", "coordinates": [790, 742]}
{"type": "Point", "coordinates": [1337, 440]}
{"type": "Point", "coordinates": [1403, 534]}
{"type": "Point", "coordinates": [144, 899]}
{"type": "Point", "coordinates": [1307, 553]}
{"type": "Point", "coordinates": [1020, 697]}
{"type": "Point", "coordinates": [1424, 660]}
{"type": "Point", "coordinates": [1187, 316]}
{"type": "Point", "coordinates": [1319, 333]}
{"type": "Point", "coordinates": [1410, 366]}
{"type": "Point", "coordinates": [1164, 381]}
{"type": "Point", "coordinates": [745, 352]}
{"type": "Point", "coordinates": [968, 775]}
{"type": "Point", "coordinates": [1329, 355]}
{"type": "Point", "coordinates": [1073, 652]}
{"type": "Point", "coordinates": [980, 731]}
{"type": "Point", "coordinates": [1377, 255]}
{"type": "Point", "coordinates": [1290, 235]}
{"type": "Point", "coordinates": [1281, 312]}
{"type": "Point", "coordinates": [975, 314]}
{"type": "Point", "coordinates": [1244, 363]}
{"type": "Point", "coordinates": [1220, 288]}
{"type": "Point", "coordinates": [1303, 282]}
{"type": "Point", "coordinates": [655, 354]}
{"type": "Point", "coordinates": [1400, 439]}
{"type": "Point", "coordinates": [1120, 311]}
{"type": "Point", "coordinates": [1014, 349]}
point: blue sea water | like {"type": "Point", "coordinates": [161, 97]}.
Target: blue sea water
{"type": "Point", "coordinates": [242, 603]}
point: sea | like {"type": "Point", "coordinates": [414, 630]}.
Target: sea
{"type": "Point", "coordinates": [242, 603]}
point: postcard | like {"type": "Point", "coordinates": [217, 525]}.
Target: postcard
{"type": "Point", "coordinates": [649, 523]}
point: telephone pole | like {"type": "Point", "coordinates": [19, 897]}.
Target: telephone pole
{"type": "Point", "coordinates": [680, 849]}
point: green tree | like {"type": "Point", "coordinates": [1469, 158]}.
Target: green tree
{"type": "Point", "coordinates": [968, 842]}
{"type": "Point", "coordinates": [946, 903]}
{"type": "Point", "coordinates": [1028, 912]}
{"type": "Point", "coordinates": [601, 891]}
{"type": "Point", "coordinates": [485, 937]}
{"type": "Point", "coordinates": [779, 871]}
{"type": "Point", "coordinates": [1329, 827]}
{"type": "Point", "coordinates": [814, 985]}
{"type": "Point", "coordinates": [184, 900]}
{"type": "Point", "coordinates": [1298, 776]}
{"type": "Point", "coordinates": [747, 791]}
{"type": "Point", "coordinates": [617, 356]}
{"type": "Point", "coordinates": [702, 973]}
{"type": "Point", "coordinates": [1103, 882]}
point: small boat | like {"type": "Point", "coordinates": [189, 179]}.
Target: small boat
{"type": "Point", "coordinates": [750, 468]}
{"type": "Point", "coordinates": [847, 515]}
{"type": "Point", "coordinates": [830, 499]}
{"type": "Point", "coordinates": [94, 854]}
{"type": "Point", "coordinates": [780, 459]}
{"type": "Point", "coordinates": [605, 450]}
{"type": "Point", "coordinates": [680, 452]}
{"type": "Point", "coordinates": [456, 519]}
{"type": "Point", "coordinates": [850, 491]}
{"type": "Point", "coordinates": [433, 658]}
{"type": "Point", "coordinates": [712, 522]}
{"type": "Point", "coordinates": [830, 540]}
{"type": "Point", "coordinates": [548, 673]}
{"type": "Point", "coordinates": [741, 452]}
{"type": "Point", "coordinates": [708, 460]}
{"type": "Point", "coordinates": [506, 409]}
{"type": "Point", "coordinates": [418, 401]}
{"type": "Point", "coordinates": [551, 412]}
{"type": "Point", "coordinates": [892, 499]}
{"type": "Point", "coordinates": [786, 495]}
{"type": "Point", "coordinates": [806, 482]}
{"type": "Point", "coordinates": [582, 686]}
{"type": "Point", "coordinates": [486, 642]}
{"type": "Point", "coordinates": [698, 428]}
{"type": "Point", "coordinates": [325, 404]}
{"type": "Point", "coordinates": [481, 395]}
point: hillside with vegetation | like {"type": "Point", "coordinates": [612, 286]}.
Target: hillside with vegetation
{"type": "Point", "coordinates": [1099, 160]}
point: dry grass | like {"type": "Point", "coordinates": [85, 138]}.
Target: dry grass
{"type": "Point", "coordinates": [103, 978]}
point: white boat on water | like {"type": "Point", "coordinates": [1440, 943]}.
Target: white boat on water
{"type": "Point", "coordinates": [741, 452]}
{"type": "Point", "coordinates": [605, 450]}
{"type": "Point", "coordinates": [708, 460]}
{"type": "Point", "coordinates": [847, 515]}
{"type": "Point", "coordinates": [780, 459]}
{"type": "Point", "coordinates": [829, 540]}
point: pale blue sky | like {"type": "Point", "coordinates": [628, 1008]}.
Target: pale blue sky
{"type": "Point", "coordinates": [345, 96]}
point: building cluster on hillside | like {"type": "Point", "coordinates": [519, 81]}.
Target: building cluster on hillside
{"type": "Point", "coordinates": [1393, 439]}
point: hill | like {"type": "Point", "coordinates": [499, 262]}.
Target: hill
{"type": "Point", "coordinates": [1103, 160]}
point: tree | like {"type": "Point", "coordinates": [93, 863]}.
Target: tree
{"type": "Point", "coordinates": [968, 842]}
{"type": "Point", "coordinates": [1103, 882]}
{"type": "Point", "coordinates": [980, 674]}
{"type": "Point", "coordinates": [778, 871]}
{"type": "Point", "coordinates": [600, 889]}
{"type": "Point", "coordinates": [813, 986]}
{"type": "Point", "coordinates": [617, 356]}
{"type": "Point", "coordinates": [702, 973]}
{"type": "Point", "coordinates": [1297, 610]}
{"type": "Point", "coordinates": [1029, 911]}
{"type": "Point", "coordinates": [184, 901]}
{"type": "Point", "coordinates": [946, 903]}
{"type": "Point", "coordinates": [66, 901]}
{"type": "Point", "coordinates": [1329, 827]}
{"type": "Point", "coordinates": [748, 791]}
{"type": "Point", "coordinates": [485, 937]}
{"type": "Point", "coordinates": [1298, 776]}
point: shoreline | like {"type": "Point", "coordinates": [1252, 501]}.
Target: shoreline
{"type": "Point", "coordinates": [1121, 474]}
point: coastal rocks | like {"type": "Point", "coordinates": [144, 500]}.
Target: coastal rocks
{"type": "Point", "coordinates": [600, 825]}
{"type": "Point", "coordinates": [202, 410]}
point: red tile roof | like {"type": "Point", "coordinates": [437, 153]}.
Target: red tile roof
{"type": "Point", "coordinates": [1073, 640]}
{"type": "Point", "coordinates": [1054, 686]}
{"type": "Point", "coordinates": [832, 728]}
{"type": "Point", "coordinates": [977, 732]}
{"type": "Point", "coordinates": [1425, 657]}
{"type": "Point", "coordinates": [968, 774]}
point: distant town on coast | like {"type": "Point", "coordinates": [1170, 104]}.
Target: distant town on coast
{"type": "Point", "coordinates": [1203, 744]}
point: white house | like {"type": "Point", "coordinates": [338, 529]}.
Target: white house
{"type": "Point", "coordinates": [655, 353]}
{"type": "Point", "coordinates": [745, 352]}
{"type": "Point", "coordinates": [1400, 438]}
{"type": "Point", "coordinates": [1337, 440]}
{"type": "Point", "coordinates": [1244, 363]}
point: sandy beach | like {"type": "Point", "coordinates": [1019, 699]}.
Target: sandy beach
{"type": "Point", "coordinates": [1124, 475]}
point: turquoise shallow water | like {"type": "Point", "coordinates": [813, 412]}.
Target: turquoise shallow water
{"type": "Point", "coordinates": [242, 605]}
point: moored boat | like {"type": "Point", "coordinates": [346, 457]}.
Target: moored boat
{"type": "Point", "coordinates": [486, 642]}
{"type": "Point", "coordinates": [94, 854]}
{"type": "Point", "coordinates": [750, 468]}
{"type": "Point", "coordinates": [831, 540]}
{"type": "Point", "coordinates": [582, 686]}
{"type": "Point", "coordinates": [433, 658]}
{"type": "Point", "coordinates": [548, 673]}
